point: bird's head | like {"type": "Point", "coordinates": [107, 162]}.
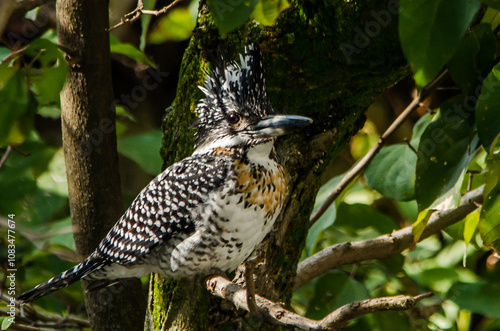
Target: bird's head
{"type": "Point", "coordinates": [236, 110]}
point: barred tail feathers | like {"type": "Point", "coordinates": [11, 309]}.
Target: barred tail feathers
{"type": "Point", "coordinates": [62, 280]}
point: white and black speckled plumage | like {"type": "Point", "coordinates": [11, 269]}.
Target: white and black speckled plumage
{"type": "Point", "coordinates": [209, 211]}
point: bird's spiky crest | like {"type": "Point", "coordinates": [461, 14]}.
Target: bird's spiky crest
{"type": "Point", "coordinates": [232, 87]}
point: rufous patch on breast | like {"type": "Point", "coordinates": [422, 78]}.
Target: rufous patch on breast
{"type": "Point", "coordinates": [262, 188]}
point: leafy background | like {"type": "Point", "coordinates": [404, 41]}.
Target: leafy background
{"type": "Point", "coordinates": [449, 146]}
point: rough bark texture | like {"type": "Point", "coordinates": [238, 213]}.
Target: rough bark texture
{"type": "Point", "coordinates": [307, 74]}
{"type": "Point", "coordinates": [89, 144]}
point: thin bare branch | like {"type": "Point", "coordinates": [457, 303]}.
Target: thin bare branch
{"type": "Point", "coordinates": [364, 307]}
{"type": "Point", "coordinates": [276, 314]}
{"type": "Point", "coordinates": [13, 55]}
{"type": "Point", "coordinates": [384, 246]}
{"type": "Point", "coordinates": [365, 161]}
{"type": "Point", "coordinates": [135, 14]}
{"type": "Point", "coordinates": [5, 156]}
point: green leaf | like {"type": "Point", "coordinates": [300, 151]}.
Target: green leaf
{"type": "Point", "coordinates": [492, 175]}
{"type": "Point", "coordinates": [6, 322]}
{"type": "Point", "coordinates": [47, 85]}
{"type": "Point", "coordinates": [473, 58]}
{"type": "Point", "coordinates": [16, 102]}
{"type": "Point", "coordinates": [62, 234]}
{"type": "Point", "coordinates": [488, 108]}
{"type": "Point", "coordinates": [177, 25]}
{"type": "Point", "coordinates": [48, 79]}
{"type": "Point", "coordinates": [267, 11]}
{"type": "Point", "coordinates": [392, 172]}
{"type": "Point", "coordinates": [327, 219]}
{"type": "Point", "coordinates": [46, 52]}
{"type": "Point", "coordinates": [438, 279]}
{"type": "Point", "coordinates": [492, 3]}
{"type": "Point", "coordinates": [54, 179]}
{"type": "Point", "coordinates": [333, 290]}
{"type": "Point", "coordinates": [53, 112]}
{"type": "Point", "coordinates": [446, 148]}
{"type": "Point", "coordinates": [481, 298]}
{"type": "Point", "coordinates": [145, 20]}
{"type": "Point", "coordinates": [4, 52]}
{"type": "Point", "coordinates": [19, 177]}
{"type": "Point", "coordinates": [420, 224]}
{"type": "Point", "coordinates": [430, 32]}
{"type": "Point", "coordinates": [470, 226]}
{"type": "Point", "coordinates": [144, 149]}
{"type": "Point", "coordinates": [360, 216]}
{"type": "Point", "coordinates": [489, 223]}
{"type": "Point", "coordinates": [419, 129]}
{"type": "Point", "coordinates": [129, 50]}
{"type": "Point", "coordinates": [5, 74]}
{"type": "Point", "coordinates": [229, 14]}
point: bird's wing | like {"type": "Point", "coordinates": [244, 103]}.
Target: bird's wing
{"type": "Point", "coordinates": [163, 209]}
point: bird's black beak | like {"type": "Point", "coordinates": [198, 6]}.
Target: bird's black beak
{"type": "Point", "coordinates": [277, 125]}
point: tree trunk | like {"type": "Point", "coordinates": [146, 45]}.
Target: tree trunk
{"type": "Point", "coordinates": [89, 144]}
{"type": "Point", "coordinates": [319, 65]}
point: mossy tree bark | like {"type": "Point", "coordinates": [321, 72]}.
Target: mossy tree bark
{"type": "Point", "coordinates": [89, 144]}
{"type": "Point", "coordinates": [308, 73]}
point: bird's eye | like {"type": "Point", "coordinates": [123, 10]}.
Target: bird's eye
{"type": "Point", "coordinates": [233, 118]}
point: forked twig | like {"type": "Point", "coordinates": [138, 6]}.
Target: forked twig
{"type": "Point", "coordinates": [135, 14]}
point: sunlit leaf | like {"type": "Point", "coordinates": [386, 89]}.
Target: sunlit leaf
{"type": "Point", "coordinates": [492, 175]}
{"type": "Point", "coordinates": [488, 108]}
{"type": "Point", "coordinates": [54, 179]}
{"type": "Point", "coordinates": [228, 14]}
{"type": "Point", "coordinates": [420, 224]}
{"type": "Point", "coordinates": [6, 73]}
{"type": "Point", "coordinates": [16, 102]}
{"type": "Point", "coordinates": [267, 11]}
{"type": "Point", "coordinates": [489, 224]}
{"type": "Point", "coordinates": [6, 322]}
{"type": "Point", "coordinates": [470, 226]}
{"type": "Point", "coordinates": [53, 112]}
{"type": "Point", "coordinates": [145, 21]}
{"type": "Point", "coordinates": [430, 32]}
{"type": "Point", "coordinates": [177, 25]}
